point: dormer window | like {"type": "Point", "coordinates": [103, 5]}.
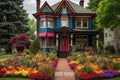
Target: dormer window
{"type": "Point", "coordinates": [81, 23]}
{"type": "Point", "coordinates": [64, 10]}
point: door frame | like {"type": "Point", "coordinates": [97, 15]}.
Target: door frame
{"type": "Point", "coordinates": [61, 39]}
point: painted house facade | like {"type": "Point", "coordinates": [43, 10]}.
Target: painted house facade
{"type": "Point", "coordinates": [65, 25]}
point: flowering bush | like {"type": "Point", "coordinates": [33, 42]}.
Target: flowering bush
{"type": "Point", "coordinates": [2, 72]}
{"type": "Point", "coordinates": [73, 64]}
{"type": "Point", "coordinates": [88, 76]}
{"type": "Point", "coordinates": [110, 74]}
{"type": "Point", "coordinates": [40, 76]}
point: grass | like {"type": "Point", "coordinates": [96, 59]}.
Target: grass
{"type": "Point", "coordinates": [117, 78]}
{"type": "Point", "coordinates": [14, 79]}
{"type": "Point", "coordinates": [7, 56]}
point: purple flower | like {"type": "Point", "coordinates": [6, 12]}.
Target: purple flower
{"type": "Point", "coordinates": [110, 74]}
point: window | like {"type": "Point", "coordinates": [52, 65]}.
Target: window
{"type": "Point", "coordinates": [50, 42]}
{"type": "Point", "coordinates": [81, 41]}
{"type": "Point", "coordinates": [50, 23]}
{"type": "Point", "coordinates": [43, 23]}
{"type": "Point", "coordinates": [64, 21]}
{"type": "Point", "coordinates": [81, 23]}
{"type": "Point", "coordinates": [42, 43]}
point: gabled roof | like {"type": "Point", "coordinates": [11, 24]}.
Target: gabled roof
{"type": "Point", "coordinates": [44, 5]}
{"type": "Point", "coordinates": [60, 5]}
{"type": "Point", "coordinates": [77, 8]}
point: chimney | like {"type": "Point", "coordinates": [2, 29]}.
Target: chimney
{"type": "Point", "coordinates": [37, 5]}
{"type": "Point", "coordinates": [81, 3]}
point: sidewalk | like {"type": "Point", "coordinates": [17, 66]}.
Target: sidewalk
{"type": "Point", "coordinates": [63, 71]}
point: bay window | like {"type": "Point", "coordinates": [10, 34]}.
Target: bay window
{"type": "Point", "coordinates": [50, 23]}
{"type": "Point", "coordinates": [43, 23]}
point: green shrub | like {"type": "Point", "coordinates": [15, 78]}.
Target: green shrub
{"type": "Point", "coordinates": [35, 46]}
{"type": "Point", "coordinates": [110, 48]}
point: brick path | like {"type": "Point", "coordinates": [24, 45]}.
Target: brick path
{"type": "Point", "coordinates": [63, 71]}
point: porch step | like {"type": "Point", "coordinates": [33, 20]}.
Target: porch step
{"type": "Point", "coordinates": [63, 54]}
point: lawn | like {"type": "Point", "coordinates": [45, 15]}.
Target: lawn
{"type": "Point", "coordinates": [117, 78]}
{"type": "Point", "coordinates": [14, 79]}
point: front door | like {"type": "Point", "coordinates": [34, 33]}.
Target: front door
{"type": "Point", "coordinates": [64, 43]}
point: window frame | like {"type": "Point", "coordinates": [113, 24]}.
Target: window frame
{"type": "Point", "coordinates": [64, 19]}
{"type": "Point", "coordinates": [42, 43]}
{"type": "Point", "coordinates": [81, 40]}
{"type": "Point", "coordinates": [44, 22]}
{"type": "Point", "coordinates": [50, 40]}
{"type": "Point", "coordinates": [82, 21]}
{"type": "Point", "coordinates": [50, 20]}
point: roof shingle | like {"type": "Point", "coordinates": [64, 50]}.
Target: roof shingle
{"type": "Point", "coordinates": [76, 7]}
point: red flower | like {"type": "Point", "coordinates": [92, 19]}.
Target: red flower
{"type": "Point", "coordinates": [2, 72]}
{"type": "Point", "coordinates": [40, 76]}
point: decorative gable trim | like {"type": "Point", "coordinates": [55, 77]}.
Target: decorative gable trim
{"type": "Point", "coordinates": [68, 5]}
{"type": "Point", "coordinates": [44, 6]}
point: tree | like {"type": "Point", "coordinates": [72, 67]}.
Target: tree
{"type": "Point", "coordinates": [108, 14]}
{"type": "Point", "coordinates": [93, 5]}
{"type": "Point", "coordinates": [35, 46]}
{"type": "Point", "coordinates": [13, 20]}
{"type": "Point", "coordinates": [20, 42]}
{"type": "Point", "coordinates": [32, 26]}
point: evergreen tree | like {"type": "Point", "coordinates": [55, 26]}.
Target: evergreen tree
{"type": "Point", "coordinates": [13, 20]}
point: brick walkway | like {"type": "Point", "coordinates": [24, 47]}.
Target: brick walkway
{"type": "Point", "coordinates": [63, 71]}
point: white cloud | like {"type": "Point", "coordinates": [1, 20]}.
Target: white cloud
{"type": "Point", "coordinates": [30, 5]}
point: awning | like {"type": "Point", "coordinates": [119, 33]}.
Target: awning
{"type": "Point", "coordinates": [50, 34]}
{"type": "Point", "coordinates": [44, 35]}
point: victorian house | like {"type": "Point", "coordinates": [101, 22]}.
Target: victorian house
{"type": "Point", "coordinates": [66, 25]}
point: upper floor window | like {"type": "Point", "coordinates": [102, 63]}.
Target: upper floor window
{"type": "Point", "coordinates": [50, 23]}
{"type": "Point", "coordinates": [64, 21]}
{"type": "Point", "coordinates": [64, 10]}
{"type": "Point", "coordinates": [81, 23]}
{"type": "Point", "coordinates": [43, 23]}
{"type": "Point", "coordinates": [46, 23]}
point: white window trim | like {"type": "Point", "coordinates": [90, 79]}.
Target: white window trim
{"type": "Point", "coordinates": [81, 24]}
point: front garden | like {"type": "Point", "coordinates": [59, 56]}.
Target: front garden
{"type": "Point", "coordinates": [95, 67]}
{"type": "Point", "coordinates": [40, 66]}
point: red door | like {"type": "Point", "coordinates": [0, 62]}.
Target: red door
{"type": "Point", "coordinates": [64, 43]}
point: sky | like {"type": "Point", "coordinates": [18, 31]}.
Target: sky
{"type": "Point", "coordinates": [30, 5]}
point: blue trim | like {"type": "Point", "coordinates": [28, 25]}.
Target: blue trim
{"type": "Point", "coordinates": [57, 23]}
{"type": "Point", "coordinates": [46, 9]}
{"type": "Point", "coordinates": [46, 30]}
{"type": "Point", "coordinates": [38, 25]}
{"type": "Point", "coordinates": [90, 24]}
{"type": "Point", "coordinates": [70, 23]}
{"type": "Point", "coordinates": [68, 10]}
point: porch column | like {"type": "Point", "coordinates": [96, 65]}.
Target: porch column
{"type": "Point", "coordinates": [97, 37]}
{"type": "Point", "coordinates": [56, 40]}
{"type": "Point", "coordinates": [71, 37]}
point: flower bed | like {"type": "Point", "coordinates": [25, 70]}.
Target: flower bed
{"type": "Point", "coordinates": [37, 67]}
{"type": "Point", "coordinates": [94, 67]}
